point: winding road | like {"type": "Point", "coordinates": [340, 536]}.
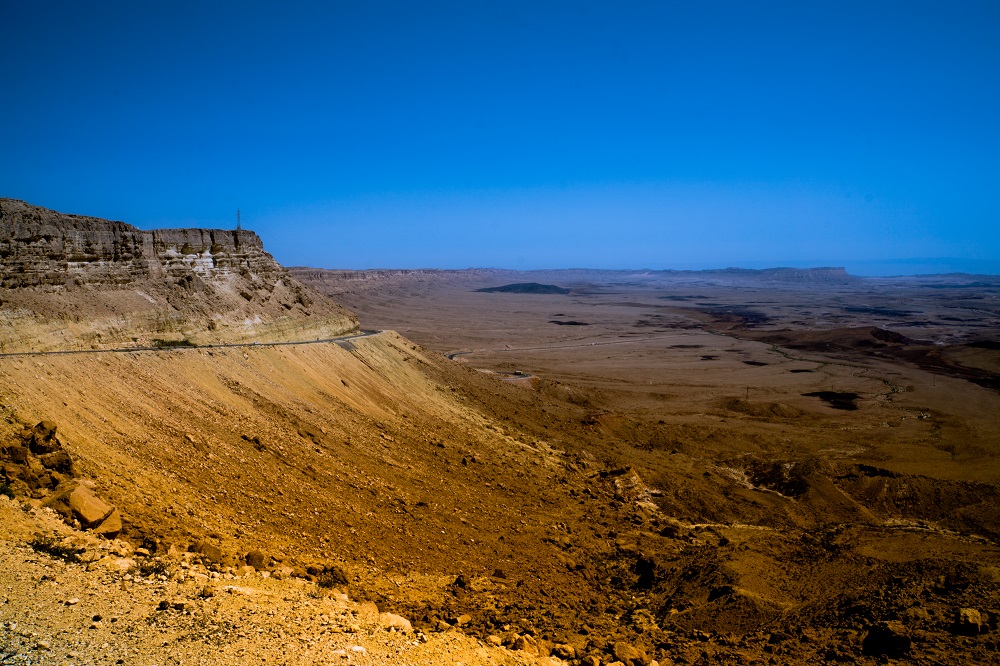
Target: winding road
{"type": "Point", "coordinates": [220, 345]}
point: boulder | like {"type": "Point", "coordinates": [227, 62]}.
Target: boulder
{"type": "Point", "coordinates": [969, 622]}
{"type": "Point", "coordinates": [209, 551]}
{"type": "Point", "coordinates": [393, 621]}
{"type": "Point", "coordinates": [629, 654]}
{"type": "Point", "coordinates": [367, 613]}
{"type": "Point", "coordinates": [256, 559]}
{"type": "Point", "coordinates": [87, 507]}
{"type": "Point", "coordinates": [886, 639]}
{"type": "Point", "coordinates": [629, 486]}
{"type": "Point", "coordinates": [331, 576]}
{"type": "Point", "coordinates": [59, 461]}
{"type": "Point", "coordinates": [18, 454]}
{"type": "Point", "coordinates": [564, 651]}
{"type": "Point", "coordinates": [43, 438]}
{"type": "Point", "coordinates": [111, 526]}
{"type": "Point", "coordinates": [526, 644]}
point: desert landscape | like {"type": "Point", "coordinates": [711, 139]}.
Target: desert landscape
{"type": "Point", "coordinates": [210, 458]}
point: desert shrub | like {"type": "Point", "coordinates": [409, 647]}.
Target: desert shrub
{"type": "Point", "coordinates": [7, 490]}
{"type": "Point", "coordinates": [160, 342]}
{"type": "Point", "coordinates": [151, 568]}
{"type": "Point", "coordinates": [55, 548]}
{"type": "Point", "coordinates": [331, 577]}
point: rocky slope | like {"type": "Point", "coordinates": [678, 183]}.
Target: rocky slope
{"type": "Point", "coordinates": [71, 282]}
{"type": "Point", "coordinates": [369, 501]}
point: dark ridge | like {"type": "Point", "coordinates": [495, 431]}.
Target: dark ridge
{"type": "Point", "coordinates": [890, 336]}
{"type": "Point", "coordinates": [568, 323]}
{"type": "Point", "coordinates": [526, 288]}
{"type": "Point", "coordinates": [836, 399]}
{"type": "Point", "coordinates": [970, 285]}
{"type": "Point", "coordinates": [734, 314]}
{"type": "Point", "coordinates": [885, 312]}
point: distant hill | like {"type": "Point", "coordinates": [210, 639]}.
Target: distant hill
{"type": "Point", "coordinates": [526, 288]}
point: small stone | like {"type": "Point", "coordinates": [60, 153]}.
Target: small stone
{"type": "Point", "coordinates": [494, 640]}
{"type": "Point", "coordinates": [564, 651]}
{"type": "Point", "coordinates": [463, 619]}
{"type": "Point", "coordinates": [43, 645]}
{"type": "Point", "coordinates": [72, 602]}
{"type": "Point", "coordinates": [283, 573]}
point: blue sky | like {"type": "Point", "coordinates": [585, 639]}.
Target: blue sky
{"type": "Point", "coordinates": [523, 135]}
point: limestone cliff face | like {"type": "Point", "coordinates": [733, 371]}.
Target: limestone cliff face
{"type": "Point", "coordinates": [43, 247]}
{"type": "Point", "coordinates": [68, 281]}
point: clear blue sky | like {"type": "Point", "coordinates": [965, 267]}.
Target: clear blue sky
{"type": "Point", "coordinates": [521, 134]}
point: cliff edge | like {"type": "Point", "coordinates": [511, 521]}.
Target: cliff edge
{"type": "Point", "coordinates": [70, 282]}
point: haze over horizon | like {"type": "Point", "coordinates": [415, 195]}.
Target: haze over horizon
{"type": "Point", "coordinates": [517, 135]}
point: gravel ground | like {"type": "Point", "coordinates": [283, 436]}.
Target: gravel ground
{"type": "Point", "coordinates": [114, 606]}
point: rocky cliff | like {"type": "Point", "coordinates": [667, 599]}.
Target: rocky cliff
{"type": "Point", "coordinates": [43, 247]}
{"type": "Point", "coordinates": [91, 282]}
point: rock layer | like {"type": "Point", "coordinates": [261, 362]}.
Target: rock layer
{"type": "Point", "coordinates": [43, 247]}
{"type": "Point", "coordinates": [74, 282]}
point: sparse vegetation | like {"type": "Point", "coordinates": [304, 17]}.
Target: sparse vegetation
{"type": "Point", "coordinates": [160, 342]}
{"type": "Point", "coordinates": [56, 548]}
{"type": "Point", "coordinates": [152, 567]}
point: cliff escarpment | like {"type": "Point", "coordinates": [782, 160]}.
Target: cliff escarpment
{"type": "Point", "coordinates": [70, 281]}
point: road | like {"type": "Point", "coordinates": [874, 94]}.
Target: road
{"type": "Point", "coordinates": [221, 345]}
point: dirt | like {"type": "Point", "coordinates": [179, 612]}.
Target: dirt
{"type": "Point", "coordinates": [664, 493]}
{"type": "Point", "coordinates": [761, 478]}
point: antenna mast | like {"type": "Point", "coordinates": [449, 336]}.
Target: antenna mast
{"type": "Point", "coordinates": [237, 219]}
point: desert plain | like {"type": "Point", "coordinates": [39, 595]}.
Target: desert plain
{"type": "Point", "coordinates": [781, 466]}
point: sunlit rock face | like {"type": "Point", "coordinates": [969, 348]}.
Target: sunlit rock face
{"type": "Point", "coordinates": [40, 247]}
{"type": "Point", "coordinates": [75, 282]}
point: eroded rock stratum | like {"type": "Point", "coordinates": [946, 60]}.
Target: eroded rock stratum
{"type": "Point", "coordinates": [75, 282]}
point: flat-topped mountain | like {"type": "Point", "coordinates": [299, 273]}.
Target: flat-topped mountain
{"type": "Point", "coordinates": [43, 247]}
{"type": "Point", "coordinates": [71, 280]}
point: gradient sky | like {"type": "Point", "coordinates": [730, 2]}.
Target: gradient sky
{"type": "Point", "coordinates": [523, 135]}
